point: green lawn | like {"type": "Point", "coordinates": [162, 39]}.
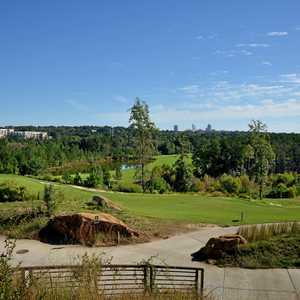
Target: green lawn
{"type": "Point", "coordinates": [199, 208]}
{"type": "Point", "coordinates": [178, 207]}
{"type": "Point", "coordinates": [69, 198]}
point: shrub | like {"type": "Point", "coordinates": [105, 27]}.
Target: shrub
{"type": "Point", "coordinates": [10, 192]}
{"type": "Point", "coordinates": [8, 289]}
{"type": "Point", "coordinates": [197, 185]}
{"type": "Point", "coordinates": [67, 178]}
{"type": "Point", "coordinates": [77, 180]}
{"type": "Point", "coordinates": [291, 192]}
{"type": "Point", "coordinates": [282, 191]}
{"type": "Point", "coordinates": [49, 199]}
{"type": "Point", "coordinates": [127, 188]}
{"type": "Point", "coordinates": [157, 184]}
{"type": "Point", "coordinates": [297, 190]}
{"type": "Point", "coordinates": [287, 179]}
{"type": "Point", "coordinates": [230, 184]}
{"type": "Point", "coordinates": [93, 180]}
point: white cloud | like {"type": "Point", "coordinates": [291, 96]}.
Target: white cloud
{"type": "Point", "coordinates": [190, 89]}
{"type": "Point", "coordinates": [253, 45]}
{"type": "Point", "coordinates": [265, 109]}
{"type": "Point", "coordinates": [277, 33]}
{"type": "Point", "coordinates": [206, 37]}
{"type": "Point", "coordinates": [121, 99]}
{"type": "Point", "coordinates": [268, 109]}
{"type": "Point", "coordinates": [291, 78]}
{"type": "Point", "coordinates": [246, 52]}
{"type": "Point", "coordinates": [267, 63]}
{"type": "Point", "coordinates": [233, 53]}
{"type": "Point", "coordinates": [297, 28]}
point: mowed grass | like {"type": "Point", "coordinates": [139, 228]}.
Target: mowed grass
{"type": "Point", "coordinates": [204, 209]}
{"type": "Point", "coordinates": [70, 199]}
{"type": "Point", "coordinates": [187, 208]}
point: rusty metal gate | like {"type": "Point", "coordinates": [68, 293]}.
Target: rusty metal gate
{"type": "Point", "coordinates": [114, 279]}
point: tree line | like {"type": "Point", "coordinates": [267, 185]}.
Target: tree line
{"type": "Point", "coordinates": [79, 148]}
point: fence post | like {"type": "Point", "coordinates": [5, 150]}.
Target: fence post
{"type": "Point", "coordinates": [151, 278]}
{"type": "Point", "coordinates": [202, 283]}
{"type": "Point", "coordinates": [23, 277]}
{"type": "Point", "coordinates": [145, 278]}
{"type": "Point", "coordinates": [197, 282]}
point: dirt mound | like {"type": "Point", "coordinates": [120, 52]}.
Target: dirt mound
{"type": "Point", "coordinates": [216, 248]}
{"type": "Point", "coordinates": [85, 228]}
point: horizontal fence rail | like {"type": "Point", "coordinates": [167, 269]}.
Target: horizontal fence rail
{"type": "Point", "coordinates": [116, 279]}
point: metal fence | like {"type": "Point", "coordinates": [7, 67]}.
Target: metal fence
{"type": "Point", "coordinates": [117, 279]}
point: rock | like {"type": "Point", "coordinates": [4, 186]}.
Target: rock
{"type": "Point", "coordinates": [100, 201]}
{"type": "Point", "coordinates": [103, 202]}
{"type": "Point", "coordinates": [84, 228]}
{"type": "Point", "coordinates": [211, 261]}
{"type": "Point", "coordinates": [216, 248]}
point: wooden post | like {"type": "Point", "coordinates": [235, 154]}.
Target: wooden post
{"type": "Point", "coordinates": [202, 283]}
{"type": "Point", "coordinates": [197, 282]}
{"type": "Point", "coordinates": [151, 279]}
{"type": "Point", "coordinates": [145, 279]}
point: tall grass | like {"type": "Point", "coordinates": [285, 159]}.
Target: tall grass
{"type": "Point", "coordinates": [266, 231]}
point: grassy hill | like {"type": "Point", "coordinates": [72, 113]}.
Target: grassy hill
{"type": "Point", "coordinates": [159, 160]}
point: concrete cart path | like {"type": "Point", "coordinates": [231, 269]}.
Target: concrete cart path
{"type": "Point", "coordinates": [223, 283]}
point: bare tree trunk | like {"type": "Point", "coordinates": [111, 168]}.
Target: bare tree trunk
{"type": "Point", "coordinates": [143, 183]}
{"type": "Point", "coordinates": [260, 190]}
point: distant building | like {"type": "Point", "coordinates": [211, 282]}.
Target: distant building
{"type": "Point", "coordinates": [175, 128]}
{"type": "Point", "coordinates": [194, 127]}
{"type": "Point", "coordinates": [208, 128]}
{"type": "Point", "coordinates": [4, 132]}
{"type": "Point", "coordinates": [39, 135]}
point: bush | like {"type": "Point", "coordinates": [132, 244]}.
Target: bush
{"type": "Point", "coordinates": [8, 289]}
{"type": "Point", "coordinates": [77, 180]}
{"type": "Point", "coordinates": [197, 185]}
{"type": "Point", "coordinates": [157, 184]}
{"type": "Point", "coordinates": [230, 184]}
{"type": "Point", "coordinates": [127, 188]}
{"type": "Point", "coordinates": [282, 191]}
{"type": "Point", "coordinates": [10, 192]}
{"type": "Point", "coordinates": [287, 179]}
{"type": "Point", "coordinates": [297, 190]}
{"type": "Point", "coordinates": [49, 199]}
{"type": "Point", "coordinates": [93, 180]}
{"type": "Point", "coordinates": [245, 184]}
{"type": "Point", "coordinates": [291, 192]}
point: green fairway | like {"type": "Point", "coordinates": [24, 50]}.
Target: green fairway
{"type": "Point", "coordinates": [178, 207]}
{"type": "Point", "coordinates": [159, 160]}
{"type": "Point", "coordinates": [199, 208]}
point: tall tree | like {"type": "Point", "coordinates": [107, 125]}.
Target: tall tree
{"type": "Point", "coordinates": [262, 155]}
{"type": "Point", "coordinates": [144, 130]}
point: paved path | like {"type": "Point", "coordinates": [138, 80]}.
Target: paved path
{"type": "Point", "coordinates": [223, 283]}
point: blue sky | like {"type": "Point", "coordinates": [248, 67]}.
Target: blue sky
{"type": "Point", "coordinates": [84, 62]}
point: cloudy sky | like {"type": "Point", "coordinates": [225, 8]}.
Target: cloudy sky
{"type": "Point", "coordinates": [194, 62]}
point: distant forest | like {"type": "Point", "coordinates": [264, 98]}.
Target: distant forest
{"type": "Point", "coordinates": [79, 148]}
